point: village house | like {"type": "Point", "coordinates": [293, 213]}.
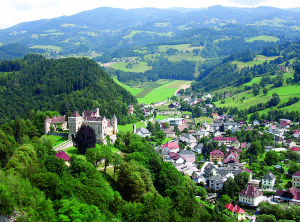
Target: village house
{"type": "Point", "coordinates": [239, 213]}
{"type": "Point", "coordinates": [173, 147]}
{"type": "Point", "coordinates": [211, 170]}
{"type": "Point", "coordinates": [187, 155]}
{"type": "Point", "coordinates": [141, 131]}
{"type": "Point", "coordinates": [198, 148]}
{"type": "Point", "coordinates": [215, 115]}
{"type": "Point", "coordinates": [295, 149]}
{"type": "Point", "coordinates": [216, 155]}
{"type": "Point", "coordinates": [290, 196]}
{"type": "Point", "coordinates": [296, 179]}
{"type": "Point", "coordinates": [62, 155]}
{"type": "Point", "coordinates": [285, 122]}
{"type": "Point", "coordinates": [169, 134]}
{"type": "Point", "coordinates": [230, 125]}
{"type": "Point", "coordinates": [251, 196]}
{"type": "Point", "coordinates": [268, 181]}
{"type": "Point", "coordinates": [215, 182]}
{"type": "Point", "coordinates": [225, 140]}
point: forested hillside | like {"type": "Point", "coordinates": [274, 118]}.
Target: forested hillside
{"type": "Point", "coordinates": [62, 85]}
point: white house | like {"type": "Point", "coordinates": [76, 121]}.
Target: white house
{"type": "Point", "coordinates": [268, 181]}
{"type": "Point", "coordinates": [251, 196]}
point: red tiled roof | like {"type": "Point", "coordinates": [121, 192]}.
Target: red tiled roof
{"type": "Point", "coordinates": [295, 148]}
{"type": "Point", "coordinates": [58, 119]}
{"type": "Point", "coordinates": [174, 156]}
{"type": "Point", "coordinates": [297, 131]}
{"type": "Point", "coordinates": [230, 152]}
{"type": "Point", "coordinates": [225, 138]}
{"type": "Point", "coordinates": [251, 191]}
{"type": "Point", "coordinates": [62, 155]}
{"type": "Point", "coordinates": [230, 160]}
{"type": "Point", "coordinates": [216, 153]}
{"type": "Point", "coordinates": [171, 146]}
{"type": "Point", "coordinates": [88, 113]}
{"type": "Point", "coordinates": [75, 114]}
{"type": "Point", "coordinates": [234, 208]}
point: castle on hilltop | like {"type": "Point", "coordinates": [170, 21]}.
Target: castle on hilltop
{"type": "Point", "coordinates": [103, 127]}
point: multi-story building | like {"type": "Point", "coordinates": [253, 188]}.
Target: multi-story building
{"type": "Point", "coordinates": [268, 181]}
{"type": "Point", "coordinates": [251, 196]}
{"type": "Point", "coordinates": [217, 155]}
{"type": "Point", "coordinates": [296, 179]}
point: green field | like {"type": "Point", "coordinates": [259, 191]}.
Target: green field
{"type": "Point", "coordinates": [159, 94]}
{"type": "Point", "coordinates": [284, 92]}
{"type": "Point", "coordinates": [144, 93]}
{"type": "Point", "coordinates": [263, 38]}
{"type": "Point", "coordinates": [55, 140]}
{"type": "Point", "coordinates": [47, 47]}
{"type": "Point", "coordinates": [129, 127]}
{"type": "Point", "coordinates": [260, 59]}
{"type": "Point", "coordinates": [188, 57]}
{"type": "Point", "coordinates": [133, 91]}
{"type": "Point", "coordinates": [140, 67]}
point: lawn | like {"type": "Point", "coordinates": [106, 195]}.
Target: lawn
{"type": "Point", "coordinates": [55, 140]}
{"type": "Point", "coordinates": [144, 93]}
{"type": "Point", "coordinates": [260, 59]}
{"type": "Point", "coordinates": [129, 127]}
{"type": "Point", "coordinates": [133, 91]}
{"type": "Point", "coordinates": [140, 67]}
{"type": "Point", "coordinates": [202, 119]}
{"type": "Point", "coordinates": [263, 38]}
{"type": "Point", "coordinates": [74, 151]}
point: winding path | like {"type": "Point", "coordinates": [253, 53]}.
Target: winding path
{"type": "Point", "coordinates": [184, 86]}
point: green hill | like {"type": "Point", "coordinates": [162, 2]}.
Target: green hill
{"type": "Point", "coordinates": [63, 85]}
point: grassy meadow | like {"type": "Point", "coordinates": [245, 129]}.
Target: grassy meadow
{"type": "Point", "coordinates": [139, 67]}
{"type": "Point", "coordinates": [263, 38]}
{"type": "Point", "coordinates": [129, 127]}
{"type": "Point", "coordinates": [133, 91]}
{"type": "Point", "coordinates": [55, 140]}
{"type": "Point", "coordinates": [260, 59]}
{"type": "Point", "coordinates": [285, 92]}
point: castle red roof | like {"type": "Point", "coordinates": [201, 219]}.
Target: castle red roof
{"type": "Point", "coordinates": [234, 208]}
{"type": "Point", "coordinates": [75, 114]}
{"type": "Point", "coordinates": [88, 113]}
{"type": "Point", "coordinates": [62, 155]}
{"type": "Point", "coordinates": [58, 119]}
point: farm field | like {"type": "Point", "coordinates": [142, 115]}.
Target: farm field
{"type": "Point", "coordinates": [263, 38]}
{"type": "Point", "coordinates": [133, 32]}
{"type": "Point", "coordinates": [159, 94]}
{"type": "Point", "coordinates": [260, 59]}
{"type": "Point", "coordinates": [140, 67]}
{"type": "Point", "coordinates": [188, 57]}
{"type": "Point", "coordinates": [133, 91]}
{"type": "Point", "coordinates": [154, 91]}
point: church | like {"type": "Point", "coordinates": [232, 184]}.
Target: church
{"type": "Point", "coordinates": [103, 127]}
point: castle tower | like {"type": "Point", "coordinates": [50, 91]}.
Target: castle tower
{"type": "Point", "coordinates": [97, 113]}
{"type": "Point", "coordinates": [114, 122]}
{"type": "Point", "coordinates": [74, 122]}
{"type": "Point", "coordinates": [47, 124]}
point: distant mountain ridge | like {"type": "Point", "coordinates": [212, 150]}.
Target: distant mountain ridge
{"type": "Point", "coordinates": [103, 29]}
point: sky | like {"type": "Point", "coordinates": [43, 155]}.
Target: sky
{"type": "Point", "coordinates": [13, 12]}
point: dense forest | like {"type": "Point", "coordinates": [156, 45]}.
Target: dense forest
{"type": "Point", "coordinates": [37, 186]}
{"type": "Point", "coordinates": [62, 85]}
